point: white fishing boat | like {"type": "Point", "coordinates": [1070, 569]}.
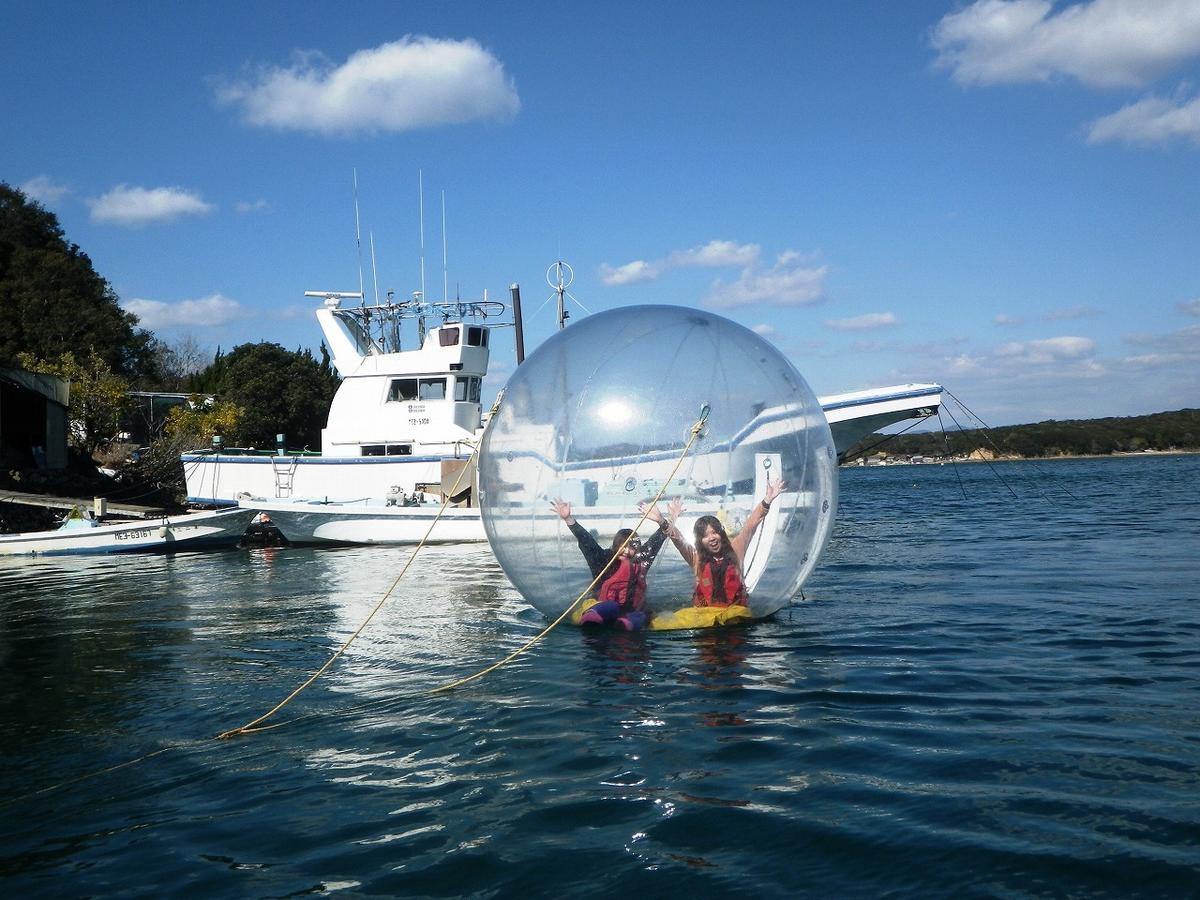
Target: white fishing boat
{"type": "Point", "coordinates": [80, 534]}
{"type": "Point", "coordinates": [405, 422]}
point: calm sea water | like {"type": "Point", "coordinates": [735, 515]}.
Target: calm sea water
{"type": "Point", "coordinates": [990, 696]}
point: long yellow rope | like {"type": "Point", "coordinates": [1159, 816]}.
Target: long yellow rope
{"type": "Point", "coordinates": [251, 726]}
{"type": "Point", "coordinates": [696, 430]}
{"type": "Point", "coordinates": [255, 725]}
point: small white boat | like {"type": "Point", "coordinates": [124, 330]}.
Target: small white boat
{"type": "Point", "coordinates": [186, 531]}
{"type": "Point", "coordinates": [368, 521]}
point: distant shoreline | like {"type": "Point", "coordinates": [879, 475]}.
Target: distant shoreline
{"type": "Point", "coordinates": [1124, 454]}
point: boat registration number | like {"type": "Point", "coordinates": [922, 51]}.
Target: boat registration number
{"type": "Point", "coordinates": [134, 535]}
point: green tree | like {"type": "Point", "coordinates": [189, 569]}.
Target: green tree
{"type": "Point", "coordinates": [278, 391]}
{"type": "Point", "coordinates": [52, 302]}
{"type": "Point", "coordinates": [99, 397]}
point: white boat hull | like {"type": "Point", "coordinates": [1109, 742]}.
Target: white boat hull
{"type": "Point", "coordinates": [368, 522]}
{"type": "Point", "coordinates": [183, 532]}
{"type": "Point", "coordinates": [219, 479]}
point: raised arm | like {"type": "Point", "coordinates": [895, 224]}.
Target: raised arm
{"type": "Point", "coordinates": [654, 544]}
{"type": "Point", "coordinates": [674, 509]}
{"type": "Point", "coordinates": [592, 552]}
{"type": "Point", "coordinates": [774, 489]}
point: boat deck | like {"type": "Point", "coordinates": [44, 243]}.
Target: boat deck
{"type": "Point", "coordinates": [114, 508]}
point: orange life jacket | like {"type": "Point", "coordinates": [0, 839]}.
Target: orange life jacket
{"type": "Point", "coordinates": [626, 584]}
{"type": "Point", "coordinates": [720, 584]}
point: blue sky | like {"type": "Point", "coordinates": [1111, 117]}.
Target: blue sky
{"type": "Point", "coordinates": [1003, 197]}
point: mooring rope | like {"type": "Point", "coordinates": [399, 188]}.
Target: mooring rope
{"type": "Point", "coordinates": [695, 433]}
{"type": "Point", "coordinates": [255, 725]}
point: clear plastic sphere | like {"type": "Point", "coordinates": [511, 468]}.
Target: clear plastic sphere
{"type": "Point", "coordinates": [599, 416]}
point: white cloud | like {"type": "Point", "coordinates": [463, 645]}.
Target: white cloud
{"type": "Point", "coordinates": [715, 254]}
{"type": "Point", "coordinates": [1151, 120]}
{"type": "Point", "coordinates": [1178, 351]}
{"type": "Point", "coordinates": [1049, 350]}
{"type": "Point", "coordinates": [630, 273]}
{"type": "Point", "coordinates": [132, 206]}
{"type": "Point", "coordinates": [1190, 308]}
{"type": "Point", "coordinates": [788, 283]}
{"type": "Point", "coordinates": [1102, 43]}
{"type": "Point", "coordinates": [44, 189]}
{"type": "Point", "coordinates": [249, 206]}
{"type": "Point", "coordinates": [213, 310]}
{"type": "Point", "coordinates": [415, 82]}
{"type": "Point", "coordinates": [1008, 321]}
{"type": "Point", "coordinates": [764, 330]}
{"type": "Point", "coordinates": [864, 322]}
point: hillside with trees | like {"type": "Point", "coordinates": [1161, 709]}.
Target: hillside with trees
{"type": "Point", "coordinates": [58, 316]}
{"type": "Point", "coordinates": [1165, 431]}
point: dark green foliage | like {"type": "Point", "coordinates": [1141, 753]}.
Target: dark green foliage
{"type": "Point", "coordinates": [281, 391]}
{"type": "Point", "coordinates": [1179, 430]}
{"type": "Point", "coordinates": [52, 301]}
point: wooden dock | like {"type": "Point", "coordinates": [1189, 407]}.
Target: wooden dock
{"type": "Point", "coordinates": [112, 507]}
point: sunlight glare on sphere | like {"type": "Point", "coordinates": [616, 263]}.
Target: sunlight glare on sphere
{"type": "Point", "coordinates": [600, 414]}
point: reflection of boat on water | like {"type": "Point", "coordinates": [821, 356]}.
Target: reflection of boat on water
{"type": "Point", "coordinates": [182, 532]}
{"type": "Point", "coordinates": [404, 425]}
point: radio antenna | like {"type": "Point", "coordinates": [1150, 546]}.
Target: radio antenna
{"type": "Point", "coordinates": [357, 233]}
{"type": "Point", "coordinates": [562, 279]}
{"type": "Point", "coordinates": [374, 271]}
{"type": "Point", "coordinates": [421, 207]}
{"type": "Point", "coordinates": [445, 277]}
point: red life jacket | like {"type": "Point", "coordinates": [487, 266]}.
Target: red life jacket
{"type": "Point", "coordinates": [626, 584]}
{"type": "Point", "coordinates": [720, 584]}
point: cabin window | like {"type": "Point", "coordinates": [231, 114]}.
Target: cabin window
{"type": "Point", "coordinates": [402, 389]}
{"type": "Point", "coordinates": [431, 389]}
{"type": "Point", "coordinates": [448, 337]}
{"type": "Point", "coordinates": [466, 390]}
{"type": "Point", "coordinates": [476, 336]}
{"type": "Point", "coordinates": [387, 450]}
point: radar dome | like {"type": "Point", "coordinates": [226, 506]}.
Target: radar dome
{"type": "Point", "coordinates": [599, 416]}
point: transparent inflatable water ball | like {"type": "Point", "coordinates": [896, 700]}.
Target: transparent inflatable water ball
{"type": "Point", "coordinates": [599, 416]}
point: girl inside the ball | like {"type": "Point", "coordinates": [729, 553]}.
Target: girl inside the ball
{"type": "Point", "coordinates": [716, 559]}
{"type": "Point", "coordinates": [621, 570]}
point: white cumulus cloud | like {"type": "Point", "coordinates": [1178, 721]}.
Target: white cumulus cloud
{"type": "Point", "coordinates": [1151, 120]}
{"type": "Point", "coordinates": [764, 330]}
{"type": "Point", "coordinates": [1101, 43]}
{"type": "Point", "coordinates": [414, 82]}
{"type": "Point", "coordinates": [714, 254]}
{"type": "Point", "coordinates": [132, 206]}
{"type": "Point", "coordinates": [1048, 350]}
{"type": "Point", "coordinates": [216, 309]}
{"type": "Point", "coordinates": [44, 189]}
{"type": "Point", "coordinates": [630, 273]}
{"type": "Point", "coordinates": [863, 322]}
{"type": "Point", "coordinates": [789, 282]}
{"type": "Point", "coordinates": [1190, 308]}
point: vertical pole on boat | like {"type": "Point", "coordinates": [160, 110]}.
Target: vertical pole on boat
{"type": "Point", "coordinates": [562, 307]}
{"type": "Point", "coordinates": [514, 291]}
{"type": "Point", "coordinates": [421, 207]}
{"type": "Point", "coordinates": [445, 259]}
{"type": "Point", "coordinates": [374, 271]}
{"type": "Point", "coordinates": [357, 234]}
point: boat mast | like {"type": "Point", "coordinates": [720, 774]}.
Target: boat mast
{"type": "Point", "coordinates": [564, 277]}
{"type": "Point", "coordinates": [357, 233]}
{"type": "Point", "coordinates": [445, 276]}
